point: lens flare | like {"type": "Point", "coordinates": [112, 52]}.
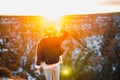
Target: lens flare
{"type": "Point", "coordinates": [66, 70]}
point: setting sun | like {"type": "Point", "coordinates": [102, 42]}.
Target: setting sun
{"type": "Point", "coordinates": [53, 10]}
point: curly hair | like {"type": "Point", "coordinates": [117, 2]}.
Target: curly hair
{"type": "Point", "coordinates": [5, 72]}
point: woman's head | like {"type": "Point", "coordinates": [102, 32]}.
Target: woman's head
{"type": "Point", "coordinates": [50, 31]}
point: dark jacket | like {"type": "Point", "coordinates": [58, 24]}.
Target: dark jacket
{"type": "Point", "coordinates": [49, 49]}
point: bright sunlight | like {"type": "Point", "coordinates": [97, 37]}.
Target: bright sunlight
{"type": "Point", "coordinates": [53, 10]}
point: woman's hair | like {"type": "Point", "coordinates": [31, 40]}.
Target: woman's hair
{"type": "Point", "coordinates": [48, 31]}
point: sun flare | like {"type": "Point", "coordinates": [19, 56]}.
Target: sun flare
{"type": "Point", "coordinates": [52, 17]}
{"type": "Point", "coordinates": [66, 71]}
{"type": "Point", "coordinates": [54, 10]}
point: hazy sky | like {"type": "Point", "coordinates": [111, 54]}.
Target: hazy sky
{"type": "Point", "coordinates": [57, 7]}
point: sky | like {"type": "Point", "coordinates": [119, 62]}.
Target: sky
{"type": "Point", "coordinates": [50, 8]}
